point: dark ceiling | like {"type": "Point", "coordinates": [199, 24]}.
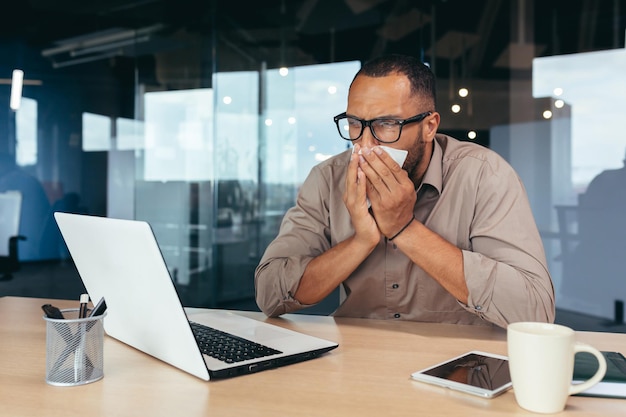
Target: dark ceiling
{"type": "Point", "coordinates": [479, 38]}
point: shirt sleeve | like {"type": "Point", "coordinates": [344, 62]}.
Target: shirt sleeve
{"type": "Point", "coordinates": [304, 235]}
{"type": "Point", "coordinates": [506, 269]}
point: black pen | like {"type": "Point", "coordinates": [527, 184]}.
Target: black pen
{"type": "Point", "coordinates": [52, 312]}
{"type": "Point", "coordinates": [82, 312]}
{"type": "Point", "coordinates": [99, 309]}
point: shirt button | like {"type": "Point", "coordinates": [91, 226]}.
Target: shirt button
{"type": "Point", "coordinates": [397, 315]}
{"type": "Point", "coordinates": [395, 286]}
{"type": "Point", "coordinates": [478, 308]}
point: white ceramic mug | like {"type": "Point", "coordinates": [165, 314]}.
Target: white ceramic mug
{"type": "Point", "coordinates": [541, 361]}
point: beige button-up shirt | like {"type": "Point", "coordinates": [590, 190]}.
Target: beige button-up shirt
{"type": "Point", "coordinates": [471, 197]}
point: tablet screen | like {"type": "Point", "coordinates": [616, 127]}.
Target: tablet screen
{"type": "Point", "coordinates": [474, 369]}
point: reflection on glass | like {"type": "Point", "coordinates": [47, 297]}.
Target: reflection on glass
{"type": "Point", "coordinates": [588, 203]}
{"type": "Point", "coordinates": [26, 132]}
{"type": "Point", "coordinates": [197, 156]}
{"type": "Point", "coordinates": [320, 91]}
{"type": "Point", "coordinates": [129, 134]}
{"type": "Point", "coordinates": [597, 95]}
{"type": "Point", "coordinates": [236, 126]}
{"type": "Point", "coordinates": [96, 132]}
{"type": "Point", "coordinates": [303, 105]}
{"type": "Point", "coordinates": [178, 135]}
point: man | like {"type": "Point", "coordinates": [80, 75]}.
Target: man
{"type": "Point", "coordinates": [449, 237]}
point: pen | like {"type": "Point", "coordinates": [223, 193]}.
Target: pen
{"type": "Point", "coordinates": [52, 312]}
{"type": "Point", "coordinates": [82, 312]}
{"type": "Point", "coordinates": [99, 309]}
{"type": "Point", "coordinates": [79, 353]}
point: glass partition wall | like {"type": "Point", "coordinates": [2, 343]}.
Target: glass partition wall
{"type": "Point", "coordinates": [204, 120]}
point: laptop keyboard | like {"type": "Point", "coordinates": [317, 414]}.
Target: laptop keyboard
{"type": "Point", "coordinates": [227, 347]}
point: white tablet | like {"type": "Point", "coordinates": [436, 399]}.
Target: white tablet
{"type": "Point", "coordinates": [478, 373]}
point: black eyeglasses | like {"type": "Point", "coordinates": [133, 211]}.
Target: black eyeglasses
{"type": "Point", "coordinates": [384, 130]}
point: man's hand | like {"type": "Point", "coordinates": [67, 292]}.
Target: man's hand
{"type": "Point", "coordinates": [355, 199]}
{"type": "Point", "coordinates": [391, 192]}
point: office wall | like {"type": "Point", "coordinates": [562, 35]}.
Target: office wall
{"type": "Point", "coordinates": [221, 159]}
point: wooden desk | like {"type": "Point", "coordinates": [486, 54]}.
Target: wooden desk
{"type": "Point", "coordinates": [368, 375]}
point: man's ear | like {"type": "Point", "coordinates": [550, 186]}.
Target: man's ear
{"type": "Point", "coordinates": [431, 124]}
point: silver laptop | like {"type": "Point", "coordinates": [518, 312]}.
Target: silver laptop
{"type": "Point", "coordinates": [120, 260]}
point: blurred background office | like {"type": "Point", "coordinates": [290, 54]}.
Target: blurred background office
{"type": "Point", "coordinates": [204, 117]}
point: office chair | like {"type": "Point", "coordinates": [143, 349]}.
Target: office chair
{"type": "Point", "coordinates": [10, 263]}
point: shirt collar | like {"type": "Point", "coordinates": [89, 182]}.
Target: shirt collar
{"type": "Point", "coordinates": [434, 172]}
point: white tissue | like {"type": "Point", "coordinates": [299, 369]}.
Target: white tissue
{"type": "Point", "coordinates": [398, 155]}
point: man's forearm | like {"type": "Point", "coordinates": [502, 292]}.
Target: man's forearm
{"type": "Point", "coordinates": [324, 273]}
{"type": "Point", "coordinates": [437, 257]}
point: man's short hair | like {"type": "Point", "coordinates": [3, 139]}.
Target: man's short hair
{"type": "Point", "coordinates": [420, 76]}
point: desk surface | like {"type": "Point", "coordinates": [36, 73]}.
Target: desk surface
{"type": "Point", "coordinates": [367, 375]}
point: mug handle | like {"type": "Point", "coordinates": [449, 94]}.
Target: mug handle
{"type": "Point", "coordinates": [578, 388]}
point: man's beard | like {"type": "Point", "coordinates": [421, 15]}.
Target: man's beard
{"type": "Point", "coordinates": [415, 157]}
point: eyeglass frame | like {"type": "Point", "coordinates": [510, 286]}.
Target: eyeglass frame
{"type": "Point", "coordinates": [401, 122]}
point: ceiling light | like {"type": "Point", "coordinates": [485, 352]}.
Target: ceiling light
{"type": "Point", "coordinates": [455, 108]}
{"type": "Point", "coordinates": [16, 89]}
{"type": "Point", "coordinates": [99, 45]}
{"type": "Point", "coordinates": [547, 114]}
{"type": "Point", "coordinates": [106, 39]}
{"type": "Point", "coordinates": [109, 46]}
{"type": "Point", "coordinates": [463, 92]}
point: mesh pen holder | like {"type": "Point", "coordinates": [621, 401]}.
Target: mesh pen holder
{"type": "Point", "coordinates": [74, 349]}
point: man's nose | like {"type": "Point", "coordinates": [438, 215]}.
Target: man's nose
{"type": "Point", "coordinates": [367, 139]}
